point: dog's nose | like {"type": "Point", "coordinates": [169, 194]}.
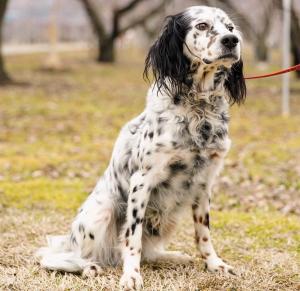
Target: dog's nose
{"type": "Point", "coordinates": [229, 41]}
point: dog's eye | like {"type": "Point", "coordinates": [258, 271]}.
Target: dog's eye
{"type": "Point", "coordinates": [230, 28]}
{"type": "Point", "coordinates": [202, 26]}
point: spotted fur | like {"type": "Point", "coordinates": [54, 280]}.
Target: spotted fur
{"type": "Point", "coordinates": [165, 159]}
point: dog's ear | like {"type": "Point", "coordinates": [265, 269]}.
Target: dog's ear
{"type": "Point", "coordinates": [169, 65]}
{"type": "Point", "coordinates": [235, 83]}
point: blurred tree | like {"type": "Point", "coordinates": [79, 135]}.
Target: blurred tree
{"type": "Point", "coordinates": [106, 39]}
{"type": "Point", "coordinates": [152, 27]}
{"type": "Point", "coordinates": [295, 37]}
{"type": "Point", "coordinates": [295, 34]}
{"type": "Point", "coordinates": [4, 77]}
{"type": "Point", "coordinates": [257, 34]}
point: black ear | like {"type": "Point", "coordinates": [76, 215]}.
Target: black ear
{"type": "Point", "coordinates": [169, 65]}
{"type": "Point", "coordinates": [235, 83]}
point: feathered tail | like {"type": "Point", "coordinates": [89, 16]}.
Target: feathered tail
{"type": "Point", "coordinates": [59, 256]}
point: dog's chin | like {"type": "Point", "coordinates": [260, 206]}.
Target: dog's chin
{"type": "Point", "coordinates": [226, 59]}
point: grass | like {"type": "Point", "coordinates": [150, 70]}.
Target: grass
{"type": "Point", "coordinates": [56, 135]}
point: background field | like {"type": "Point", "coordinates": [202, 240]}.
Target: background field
{"type": "Point", "coordinates": [57, 131]}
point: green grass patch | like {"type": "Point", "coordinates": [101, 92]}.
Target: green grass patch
{"type": "Point", "coordinates": [268, 229]}
{"type": "Point", "coordinates": [43, 193]}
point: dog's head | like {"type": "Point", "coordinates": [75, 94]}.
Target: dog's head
{"type": "Point", "coordinates": [199, 40]}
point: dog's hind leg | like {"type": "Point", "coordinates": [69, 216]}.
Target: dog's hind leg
{"type": "Point", "coordinates": [155, 252]}
{"type": "Point", "coordinates": [94, 231]}
{"type": "Point", "coordinates": [160, 255]}
{"type": "Point", "coordinates": [92, 243]}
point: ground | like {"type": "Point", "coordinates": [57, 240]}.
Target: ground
{"type": "Point", "coordinates": [57, 130]}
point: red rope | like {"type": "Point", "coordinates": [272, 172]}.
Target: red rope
{"type": "Point", "coordinates": [290, 69]}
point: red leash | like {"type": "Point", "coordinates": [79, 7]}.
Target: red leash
{"type": "Point", "coordinates": [290, 69]}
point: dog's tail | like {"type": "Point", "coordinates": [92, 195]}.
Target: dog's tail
{"type": "Point", "coordinates": [93, 239]}
{"type": "Point", "coordinates": [58, 256]}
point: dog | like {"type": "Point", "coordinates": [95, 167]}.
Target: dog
{"type": "Point", "coordinates": [164, 160]}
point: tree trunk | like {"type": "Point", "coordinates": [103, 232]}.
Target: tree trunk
{"type": "Point", "coordinates": [106, 51]}
{"type": "Point", "coordinates": [106, 41]}
{"type": "Point", "coordinates": [4, 78]}
{"type": "Point", "coordinates": [261, 50]}
{"type": "Point", "coordinates": [295, 35]}
{"type": "Point", "coordinates": [296, 55]}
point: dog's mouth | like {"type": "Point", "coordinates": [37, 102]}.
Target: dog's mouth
{"type": "Point", "coordinates": [228, 56]}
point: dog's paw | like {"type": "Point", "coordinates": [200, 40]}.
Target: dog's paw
{"type": "Point", "coordinates": [216, 265]}
{"type": "Point", "coordinates": [91, 271]}
{"type": "Point", "coordinates": [131, 281]}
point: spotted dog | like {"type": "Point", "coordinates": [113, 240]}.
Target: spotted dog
{"type": "Point", "coordinates": [165, 159]}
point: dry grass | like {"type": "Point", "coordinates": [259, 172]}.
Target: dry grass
{"type": "Point", "coordinates": [56, 136]}
{"type": "Point", "coordinates": [265, 268]}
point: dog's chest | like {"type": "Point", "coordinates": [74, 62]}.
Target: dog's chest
{"type": "Point", "coordinates": [191, 143]}
{"type": "Point", "coordinates": [197, 125]}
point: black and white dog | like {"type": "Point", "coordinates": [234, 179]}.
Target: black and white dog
{"type": "Point", "coordinates": [165, 159]}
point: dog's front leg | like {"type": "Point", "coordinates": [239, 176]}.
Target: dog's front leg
{"type": "Point", "coordinates": [201, 207]}
{"type": "Point", "coordinates": [132, 236]}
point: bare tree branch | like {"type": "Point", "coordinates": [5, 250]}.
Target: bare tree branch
{"type": "Point", "coordinates": [152, 29]}
{"type": "Point", "coordinates": [106, 39]}
{"type": "Point", "coordinates": [268, 10]}
{"type": "Point", "coordinates": [144, 18]}
{"type": "Point", "coordinates": [128, 7]}
{"type": "Point", "coordinates": [95, 19]}
{"type": "Point", "coordinates": [119, 12]}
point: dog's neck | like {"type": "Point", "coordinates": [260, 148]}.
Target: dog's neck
{"type": "Point", "coordinates": [207, 78]}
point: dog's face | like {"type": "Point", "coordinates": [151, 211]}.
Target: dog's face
{"type": "Point", "coordinates": [212, 37]}
{"type": "Point", "coordinates": [200, 38]}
